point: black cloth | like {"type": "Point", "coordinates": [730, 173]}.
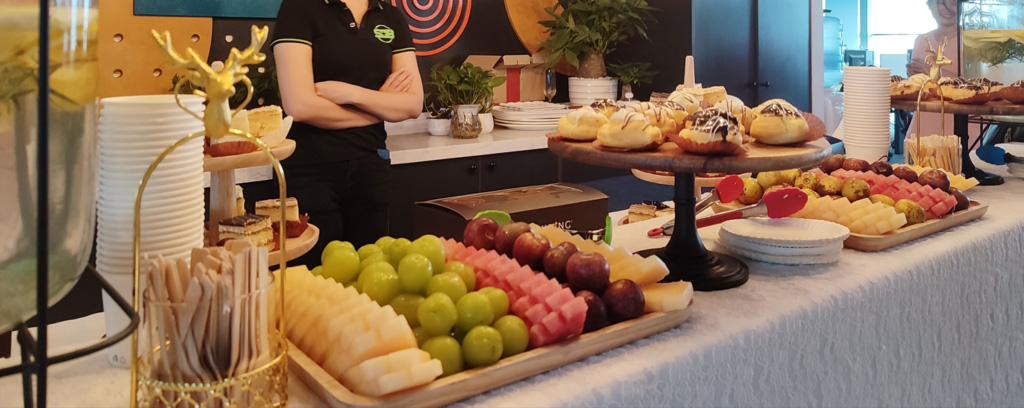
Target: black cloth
{"type": "Point", "coordinates": [359, 54]}
{"type": "Point", "coordinates": [347, 201]}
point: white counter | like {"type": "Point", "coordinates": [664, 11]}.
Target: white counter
{"type": "Point", "coordinates": [422, 147]}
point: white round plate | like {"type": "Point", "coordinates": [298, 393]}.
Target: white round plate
{"type": "Point", "coordinates": [781, 259]}
{"type": "Point", "coordinates": [781, 250]}
{"type": "Point", "coordinates": [787, 231]}
{"type": "Point", "coordinates": [520, 126]}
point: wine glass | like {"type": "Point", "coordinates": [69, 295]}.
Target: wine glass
{"type": "Point", "coordinates": [549, 85]}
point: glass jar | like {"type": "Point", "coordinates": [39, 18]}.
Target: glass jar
{"type": "Point", "coordinates": [466, 122]}
{"type": "Point", "coordinates": [72, 166]}
{"type": "Point", "coordinates": [993, 39]}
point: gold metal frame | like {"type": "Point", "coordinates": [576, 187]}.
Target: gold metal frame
{"type": "Point", "coordinates": [275, 373]}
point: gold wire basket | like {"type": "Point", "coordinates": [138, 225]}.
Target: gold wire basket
{"type": "Point", "coordinates": [940, 151]}
{"type": "Point", "coordinates": [265, 386]}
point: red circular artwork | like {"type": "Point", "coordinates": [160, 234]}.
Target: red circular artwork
{"type": "Point", "coordinates": [435, 24]}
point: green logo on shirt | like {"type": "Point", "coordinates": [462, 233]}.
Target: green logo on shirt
{"type": "Point", "coordinates": [384, 33]}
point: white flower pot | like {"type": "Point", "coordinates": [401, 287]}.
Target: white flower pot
{"type": "Point", "coordinates": [486, 123]}
{"type": "Point", "coordinates": [584, 91]}
{"type": "Point", "coordinates": [439, 127]}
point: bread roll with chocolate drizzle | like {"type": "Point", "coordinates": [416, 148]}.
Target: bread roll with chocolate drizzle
{"type": "Point", "coordinates": [581, 125]}
{"type": "Point", "coordinates": [778, 123]}
{"type": "Point", "coordinates": [712, 131]}
{"type": "Point", "coordinates": [629, 131]}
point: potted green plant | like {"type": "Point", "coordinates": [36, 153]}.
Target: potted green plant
{"type": "Point", "coordinates": [632, 73]}
{"type": "Point", "coordinates": [467, 84]}
{"type": "Point", "coordinates": [583, 32]}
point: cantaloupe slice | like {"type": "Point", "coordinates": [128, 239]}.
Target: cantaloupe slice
{"type": "Point", "coordinates": [667, 297]}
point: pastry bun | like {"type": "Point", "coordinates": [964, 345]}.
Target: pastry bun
{"type": "Point", "coordinates": [778, 123]}
{"type": "Point", "coordinates": [606, 107]}
{"type": "Point", "coordinates": [689, 101]}
{"type": "Point", "coordinates": [629, 131]}
{"type": "Point", "coordinates": [581, 125]}
{"type": "Point", "coordinates": [711, 131]}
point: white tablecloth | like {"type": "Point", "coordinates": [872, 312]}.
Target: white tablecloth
{"type": "Point", "coordinates": [936, 322]}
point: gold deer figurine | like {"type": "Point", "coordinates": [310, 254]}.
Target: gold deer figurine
{"type": "Point", "coordinates": [936, 60]}
{"type": "Point", "coordinates": [218, 84]}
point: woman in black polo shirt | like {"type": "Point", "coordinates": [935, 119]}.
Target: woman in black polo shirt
{"type": "Point", "coordinates": [344, 67]}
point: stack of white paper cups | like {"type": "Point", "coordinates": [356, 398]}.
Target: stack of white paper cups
{"type": "Point", "coordinates": [866, 113]}
{"type": "Point", "coordinates": [133, 131]}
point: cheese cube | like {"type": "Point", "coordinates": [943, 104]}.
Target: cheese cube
{"type": "Point", "coordinates": [666, 297]}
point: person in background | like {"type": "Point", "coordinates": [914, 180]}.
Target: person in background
{"type": "Point", "coordinates": [945, 13]}
{"type": "Point", "coordinates": [344, 67]}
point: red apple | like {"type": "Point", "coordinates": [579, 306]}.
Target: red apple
{"type": "Point", "coordinates": [832, 163]}
{"type": "Point", "coordinates": [506, 236]}
{"type": "Point", "coordinates": [529, 249]}
{"type": "Point", "coordinates": [556, 259]}
{"type": "Point", "coordinates": [935, 178]}
{"type": "Point", "coordinates": [624, 300]}
{"type": "Point", "coordinates": [597, 314]}
{"type": "Point", "coordinates": [479, 233]}
{"type": "Point", "coordinates": [587, 271]}
{"type": "Point", "coordinates": [856, 165]}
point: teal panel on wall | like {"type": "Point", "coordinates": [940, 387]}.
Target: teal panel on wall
{"type": "Point", "coordinates": [209, 8]}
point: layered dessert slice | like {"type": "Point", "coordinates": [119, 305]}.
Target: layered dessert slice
{"type": "Point", "coordinates": [295, 224]}
{"type": "Point", "coordinates": [248, 227]}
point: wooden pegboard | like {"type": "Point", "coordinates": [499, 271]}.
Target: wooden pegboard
{"type": "Point", "coordinates": [130, 62]}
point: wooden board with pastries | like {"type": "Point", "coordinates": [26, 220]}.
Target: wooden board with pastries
{"type": "Point", "coordinates": [990, 108]}
{"type": "Point", "coordinates": [669, 157]}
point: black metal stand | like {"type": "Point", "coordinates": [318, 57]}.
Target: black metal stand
{"type": "Point", "coordinates": [685, 255]}
{"type": "Point", "coordinates": [32, 352]}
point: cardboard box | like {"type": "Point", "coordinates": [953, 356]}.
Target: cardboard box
{"type": "Point", "coordinates": [570, 206]}
{"type": "Point", "coordinates": [525, 75]}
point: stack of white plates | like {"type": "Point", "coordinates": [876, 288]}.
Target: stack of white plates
{"type": "Point", "coordinates": [529, 115]}
{"type": "Point", "coordinates": [866, 112]}
{"type": "Point", "coordinates": [132, 132]}
{"type": "Point", "coordinates": [787, 241]}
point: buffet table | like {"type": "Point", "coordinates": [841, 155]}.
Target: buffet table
{"type": "Point", "coordinates": [936, 322]}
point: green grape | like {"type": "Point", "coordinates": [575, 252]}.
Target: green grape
{"type": "Point", "coordinates": [422, 335]}
{"type": "Point", "coordinates": [370, 260]}
{"type": "Point", "coordinates": [431, 247]}
{"type": "Point", "coordinates": [382, 286]}
{"type": "Point", "coordinates": [374, 268]}
{"type": "Point", "coordinates": [464, 271]}
{"type": "Point", "coordinates": [397, 250]}
{"type": "Point", "coordinates": [407, 305]}
{"type": "Point", "coordinates": [437, 314]}
{"type": "Point", "coordinates": [317, 271]}
{"type": "Point", "coordinates": [447, 350]}
{"type": "Point", "coordinates": [499, 300]}
{"type": "Point", "coordinates": [474, 309]}
{"type": "Point", "coordinates": [482, 346]}
{"type": "Point", "coordinates": [414, 272]}
{"type": "Point", "coordinates": [447, 283]}
{"type": "Point", "coordinates": [369, 249]}
{"type": "Point", "coordinates": [341, 265]}
{"type": "Point", "coordinates": [334, 246]}
{"type": "Point", "coordinates": [384, 242]}
{"type": "Point", "coordinates": [514, 335]}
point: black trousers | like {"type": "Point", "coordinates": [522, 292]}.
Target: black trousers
{"type": "Point", "coordinates": [347, 200]}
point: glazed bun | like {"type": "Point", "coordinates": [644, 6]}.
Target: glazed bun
{"type": "Point", "coordinates": [685, 99]}
{"type": "Point", "coordinates": [736, 107]}
{"type": "Point", "coordinates": [777, 123]}
{"type": "Point", "coordinates": [606, 107]}
{"type": "Point", "coordinates": [711, 131]}
{"type": "Point", "coordinates": [582, 124]}
{"type": "Point", "coordinates": [678, 112]}
{"type": "Point", "coordinates": [629, 131]}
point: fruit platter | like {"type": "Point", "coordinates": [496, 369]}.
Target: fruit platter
{"type": "Point", "coordinates": [882, 205]}
{"type": "Point", "coordinates": [432, 321]}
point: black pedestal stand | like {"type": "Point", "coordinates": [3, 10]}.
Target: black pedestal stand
{"type": "Point", "coordinates": [685, 255]}
{"type": "Point", "coordinates": [33, 354]}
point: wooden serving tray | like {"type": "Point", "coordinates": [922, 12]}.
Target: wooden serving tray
{"type": "Point", "coordinates": [990, 108]}
{"type": "Point", "coordinates": [241, 161]}
{"type": "Point", "coordinates": [478, 380]}
{"type": "Point", "coordinates": [297, 246]}
{"type": "Point", "coordinates": [871, 243]}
